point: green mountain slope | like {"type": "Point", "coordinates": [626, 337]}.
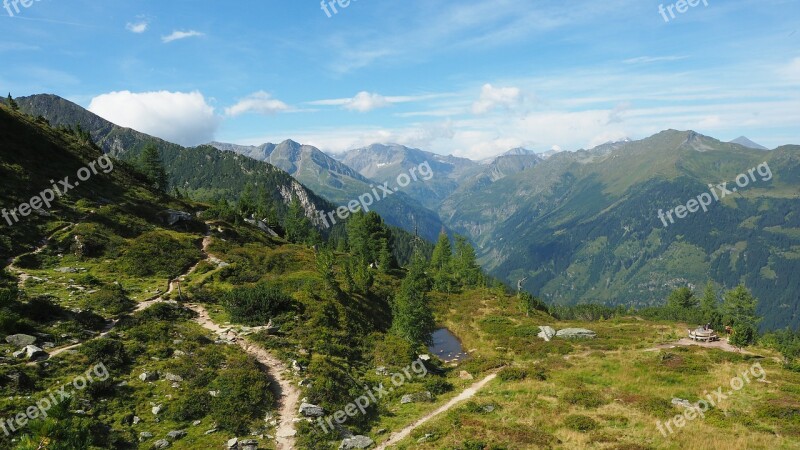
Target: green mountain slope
{"type": "Point", "coordinates": [584, 227]}
{"type": "Point", "coordinates": [340, 184]}
{"type": "Point", "coordinates": [205, 172]}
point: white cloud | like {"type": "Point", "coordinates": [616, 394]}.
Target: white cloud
{"type": "Point", "coordinates": [258, 102]}
{"type": "Point", "coordinates": [492, 98]}
{"type": "Point", "coordinates": [136, 27]}
{"type": "Point", "coordinates": [367, 101]}
{"type": "Point", "coordinates": [177, 35]}
{"type": "Point", "coordinates": [792, 70]}
{"type": "Point", "coordinates": [181, 117]}
{"type": "Point", "coordinates": [653, 59]}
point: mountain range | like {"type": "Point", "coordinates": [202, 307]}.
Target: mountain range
{"type": "Point", "coordinates": [575, 227]}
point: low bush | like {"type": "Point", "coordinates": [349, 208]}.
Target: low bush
{"type": "Point", "coordinates": [512, 374]}
{"type": "Point", "coordinates": [256, 305]}
{"type": "Point", "coordinates": [158, 254]}
{"type": "Point", "coordinates": [580, 423]}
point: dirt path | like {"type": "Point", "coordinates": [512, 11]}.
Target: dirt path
{"type": "Point", "coordinates": [286, 394]}
{"type": "Point", "coordinates": [721, 344]}
{"type": "Point", "coordinates": [465, 395]}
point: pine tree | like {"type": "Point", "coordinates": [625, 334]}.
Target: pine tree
{"type": "Point", "coordinates": [682, 298]}
{"type": "Point", "coordinates": [153, 168]}
{"type": "Point", "coordinates": [442, 254]}
{"type": "Point", "coordinates": [739, 310]}
{"type": "Point", "coordinates": [385, 258]}
{"type": "Point", "coordinates": [11, 103]}
{"type": "Point", "coordinates": [709, 307]}
{"type": "Point", "coordinates": [412, 316]}
{"type": "Point", "coordinates": [296, 224]}
{"type": "Point", "coordinates": [465, 266]}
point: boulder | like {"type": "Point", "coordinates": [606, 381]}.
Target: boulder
{"type": "Point", "coordinates": [356, 442]}
{"type": "Point", "coordinates": [173, 377]}
{"type": "Point", "coordinates": [464, 375]}
{"type": "Point", "coordinates": [546, 332]}
{"type": "Point", "coordinates": [417, 397]}
{"type": "Point", "coordinates": [576, 333]}
{"type": "Point", "coordinates": [682, 402]}
{"type": "Point", "coordinates": [232, 444]}
{"type": "Point", "coordinates": [31, 353]}
{"type": "Point", "coordinates": [145, 435]}
{"type": "Point", "coordinates": [171, 217]}
{"type": "Point", "coordinates": [161, 443]}
{"type": "Point", "coordinates": [148, 376]}
{"type": "Point", "coordinates": [157, 409]}
{"type": "Point", "coordinates": [309, 410]}
{"type": "Point", "coordinates": [21, 340]}
{"type": "Point", "coordinates": [174, 435]}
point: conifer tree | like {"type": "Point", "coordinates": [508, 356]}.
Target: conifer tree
{"type": "Point", "coordinates": [412, 316]}
{"type": "Point", "coordinates": [153, 167]}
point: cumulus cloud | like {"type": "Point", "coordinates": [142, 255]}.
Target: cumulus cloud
{"type": "Point", "coordinates": [177, 35]}
{"type": "Point", "coordinates": [492, 98]}
{"type": "Point", "coordinates": [181, 117]}
{"type": "Point", "coordinates": [258, 102]}
{"type": "Point", "coordinates": [136, 27]}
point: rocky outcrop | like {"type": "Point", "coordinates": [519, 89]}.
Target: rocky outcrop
{"type": "Point", "coordinates": [546, 332]}
{"type": "Point", "coordinates": [576, 333]}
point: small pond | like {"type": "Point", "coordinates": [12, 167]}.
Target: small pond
{"type": "Point", "coordinates": [446, 346]}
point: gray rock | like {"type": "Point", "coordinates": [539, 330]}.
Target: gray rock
{"type": "Point", "coordinates": [546, 332]}
{"type": "Point", "coordinates": [148, 376]}
{"type": "Point", "coordinates": [66, 270]}
{"type": "Point", "coordinates": [136, 420]}
{"type": "Point", "coordinates": [21, 340]}
{"type": "Point", "coordinates": [233, 444]}
{"type": "Point", "coordinates": [356, 442]}
{"type": "Point", "coordinates": [171, 217]}
{"type": "Point", "coordinates": [174, 435]}
{"type": "Point", "coordinates": [576, 333]}
{"type": "Point", "coordinates": [161, 443]}
{"type": "Point", "coordinates": [211, 431]}
{"type": "Point", "coordinates": [157, 409]}
{"type": "Point", "coordinates": [145, 435]}
{"type": "Point", "coordinates": [31, 352]}
{"type": "Point", "coordinates": [417, 397]}
{"type": "Point", "coordinates": [309, 410]}
{"type": "Point", "coordinates": [682, 402]}
{"type": "Point", "coordinates": [248, 444]}
{"type": "Point", "coordinates": [173, 377]}
{"type": "Point", "coordinates": [196, 423]}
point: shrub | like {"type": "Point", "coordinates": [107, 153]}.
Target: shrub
{"type": "Point", "coordinates": [111, 299]}
{"type": "Point", "coordinates": [163, 312]}
{"type": "Point", "coordinates": [393, 351]}
{"type": "Point", "coordinates": [438, 386]}
{"type": "Point", "coordinates": [512, 374]}
{"type": "Point", "coordinates": [585, 398]}
{"type": "Point", "coordinates": [192, 405]}
{"type": "Point", "coordinates": [255, 305]}
{"type": "Point", "coordinates": [580, 423]}
{"type": "Point", "coordinates": [243, 395]}
{"type": "Point", "coordinates": [110, 352]}
{"type": "Point", "coordinates": [158, 253]}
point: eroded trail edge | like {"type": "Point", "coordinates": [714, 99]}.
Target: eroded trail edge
{"type": "Point", "coordinates": [465, 395]}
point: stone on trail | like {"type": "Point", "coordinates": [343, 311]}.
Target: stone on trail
{"type": "Point", "coordinates": [356, 442]}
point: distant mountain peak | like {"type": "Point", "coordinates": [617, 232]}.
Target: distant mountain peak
{"type": "Point", "coordinates": [745, 142]}
{"type": "Point", "coordinates": [519, 151]}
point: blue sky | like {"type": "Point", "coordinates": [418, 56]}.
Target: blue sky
{"type": "Point", "coordinates": [471, 78]}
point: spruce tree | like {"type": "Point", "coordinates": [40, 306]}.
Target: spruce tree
{"type": "Point", "coordinates": [153, 168]}
{"type": "Point", "coordinates": [412, 316]}
{"type": "Point", "coordinates": [739, 310]}
{"type": "Point", "coordinates": [11, 103]}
